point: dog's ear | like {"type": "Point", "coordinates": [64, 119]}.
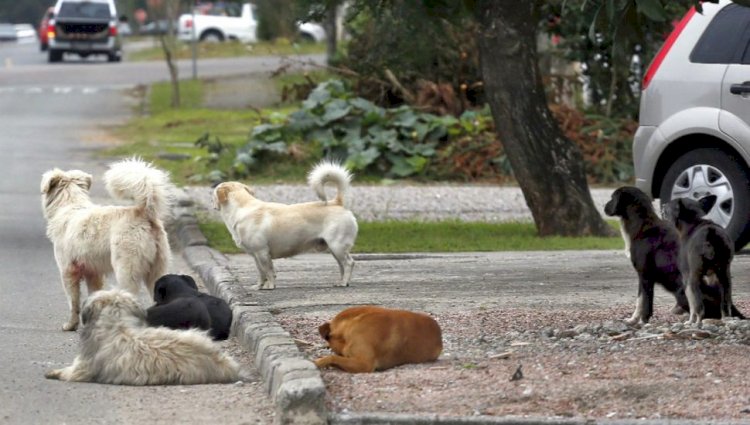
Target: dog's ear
{"type": "Point", "coordinates": [82, 179]}
{"type": "Point", "coordinates": [707, 202]}
{"type": "Point", "coordinates": [190, 281]}
{"type": "Point", "coordinates": [160, 293]}
{"type": "Point", "coordinates": [51, 179]}
{"type": "Point", "coordinates": [90, 312]}
{"type": "Point", "coordinates": [125, 304]}
{"type": "Point", "coordinates": [221, 194]}
{"type": "Point", "coordinates": [249, 190]}
{"type": "Point", "coordinates": [325, 330]}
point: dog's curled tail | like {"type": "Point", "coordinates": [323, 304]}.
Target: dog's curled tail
{"type": "Point", "coordinates": [329, 172]}
{"type": "Point", "coordinates": [137, 180]}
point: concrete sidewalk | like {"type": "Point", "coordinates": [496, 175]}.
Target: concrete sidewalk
{"type": "Point", "coordinates": [434, 282]}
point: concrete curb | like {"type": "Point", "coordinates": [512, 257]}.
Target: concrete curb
{"type": "Point", "coordinates": [293, 382]}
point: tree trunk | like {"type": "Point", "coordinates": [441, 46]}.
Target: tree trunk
{"type": "Point", "coordinates": [331, 31]}
{"type": "Point", "coordinates": [548, 167]}
{"type": "Point", "coordinates": [169, 45]}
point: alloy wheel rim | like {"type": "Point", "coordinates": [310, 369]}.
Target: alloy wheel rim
{"type": "Point", "coordinates": [702, 180]}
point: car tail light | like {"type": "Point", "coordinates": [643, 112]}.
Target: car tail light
{"type": "Point", "coordinates": [188, 23]}
{"type": "Point", "coordinates": [113, 30]}
{"type": "Point", "coordinates": [659, 58]}
{"type": "Point", "coordinates": [51, 31]}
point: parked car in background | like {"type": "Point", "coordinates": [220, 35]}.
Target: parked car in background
{"type": "Point", "coordinates": [231, 21]}
{"type": "Point", "coordinates": [25, 33]}
{"type": "Point", "coordinates": [84, 27]}
{"type": "Point", "coordinates": [44, 28]}
{"type": "Point", "coordinates": [156, 27]}
{"type": "Point", "coordinates": [7, 32]}
{"type": "Point", "coordinates": [693, 137]}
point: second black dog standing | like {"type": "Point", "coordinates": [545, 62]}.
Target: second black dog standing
{"type": "Point", "coordinates": [179, 305]}
{"type": "Point", "coordinates": [705, 258]}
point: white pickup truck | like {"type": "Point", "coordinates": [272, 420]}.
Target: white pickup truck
{"type": "Point", "coordinates": [232, 22]}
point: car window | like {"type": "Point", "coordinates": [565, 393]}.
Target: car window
{"type": "Point", "coordinates": [84, 10]}
{"type": "Point", "coordinates": [725, 38]}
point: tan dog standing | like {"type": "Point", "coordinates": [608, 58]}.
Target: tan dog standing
{"type": "Point", "coordinates": [369, 338]}
{"type": "Point", "coordinates": [268, 230]}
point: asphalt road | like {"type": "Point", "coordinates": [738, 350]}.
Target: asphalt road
{"type": "Point", "coordinates": [56, 116]}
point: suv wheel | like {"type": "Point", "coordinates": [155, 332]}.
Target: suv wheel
{"type": "Point", "coordinates": [54, 56]}
{"type": "Point", "coordinates": [709, 171]}
{"type": "Point", "coordinates": [212, 36]}
{"type": "Point", "coordinates": [114, 57]}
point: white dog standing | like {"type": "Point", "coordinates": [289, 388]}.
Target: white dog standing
{"type": "Point", "coordinates": [117, 347]}
{"type": "Point", "coordinates": [268, 230]}
{"type": "Point", "coordinates": [91, 241]}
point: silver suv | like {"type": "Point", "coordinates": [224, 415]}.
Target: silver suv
{"type": "Point", "coordinates": [694, 133]}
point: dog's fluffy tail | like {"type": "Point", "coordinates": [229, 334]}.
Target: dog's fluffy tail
{"type": "Point", "coordinates": [139, 181]}
{"type": "Point", "coordinates": [330, 172]}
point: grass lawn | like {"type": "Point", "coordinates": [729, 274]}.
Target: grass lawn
{"type": "Point", "coordinates": [228, 49]}
{"type": "Point", "coordinates": [446, 236]}
{"type": "Point", "coordinates": [169, 132]}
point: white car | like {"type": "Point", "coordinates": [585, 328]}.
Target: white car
{"type": "Point", "coordinates": [233, 22]}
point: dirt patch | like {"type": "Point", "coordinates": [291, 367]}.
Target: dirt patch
{"type": "Point", "coordinates": [574, 364]}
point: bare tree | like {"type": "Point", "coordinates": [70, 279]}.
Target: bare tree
{"type": "Point", "coordinates": [169, 10]}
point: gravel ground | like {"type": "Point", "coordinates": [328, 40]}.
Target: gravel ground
{"type": "Point", "coordinates": [574, 364]}
{"type": "Point", "coordinates": [418, 202]}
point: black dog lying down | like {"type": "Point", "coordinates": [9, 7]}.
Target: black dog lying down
{"type": "Point", "coordinates": [705, 258]}
{"type": "Point", "coordinates": [179, 305]}
{"type": "Point", "coordinates": [653, 245]}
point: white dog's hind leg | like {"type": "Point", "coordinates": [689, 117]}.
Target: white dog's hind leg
{"type": "Point", "coordinates": [72, 286]}
{"type": "Point", "coordinates": [346, 266]}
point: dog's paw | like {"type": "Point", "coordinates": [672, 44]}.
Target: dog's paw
{"type": "Point", "coordinates": [53, 374]}
{"type": "Point", "coordinates": [256, 287]}
{"type": "Point", "coordinates": [70, 326]}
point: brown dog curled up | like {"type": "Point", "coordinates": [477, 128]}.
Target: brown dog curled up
{"type": "Point", "coordinates": [369, 338]}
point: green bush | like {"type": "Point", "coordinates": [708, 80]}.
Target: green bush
{"type": "Point", "coordinates": [396, 142]}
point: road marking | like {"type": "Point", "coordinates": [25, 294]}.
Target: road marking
{"type": "Point", "coordinates": [60, 90]}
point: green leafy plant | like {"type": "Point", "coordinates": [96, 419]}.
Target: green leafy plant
{"type": "Point", "coordinates": [397, 142]}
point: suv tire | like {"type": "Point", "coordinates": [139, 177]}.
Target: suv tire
{"type": "Point", "coordinates": [712, 171]}
{"type": "Point", "coordinates": [212, 36]}
{"type": "Point", "coordinates": [54, 56]}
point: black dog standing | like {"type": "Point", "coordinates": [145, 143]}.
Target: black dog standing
{"type": "Point", "coordinates": [179, 305]}
{"type": "Point", "coordinates": [705, 258]}
{"type": "Point", "coordinates": [653, 246]}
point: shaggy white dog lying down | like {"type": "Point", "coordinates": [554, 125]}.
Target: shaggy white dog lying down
{"type": "Point", "coordinates": [117, 347]}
